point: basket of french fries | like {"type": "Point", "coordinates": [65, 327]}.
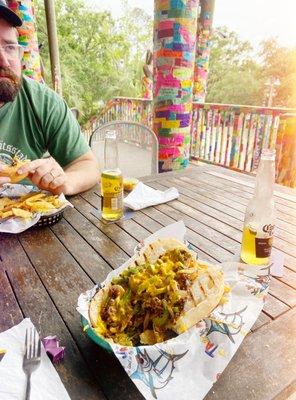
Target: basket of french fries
{"type": "Point", "coordinates": [23, 207]}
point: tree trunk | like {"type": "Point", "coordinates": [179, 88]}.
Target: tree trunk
{"type": "Point", "coordinates": [53, 45]}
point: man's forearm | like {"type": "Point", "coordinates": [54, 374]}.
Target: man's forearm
{"type": "Point", "coordinates": [81, 176]}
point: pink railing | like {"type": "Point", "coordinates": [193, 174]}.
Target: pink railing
{"type": "Point", "coordinates": [228, 135]}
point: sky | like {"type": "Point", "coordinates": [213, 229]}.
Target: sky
{"type": "Point", "coordinates": [253, 20]}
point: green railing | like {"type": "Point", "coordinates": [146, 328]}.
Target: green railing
{"type": "Point", "coordinates": [223, 134]}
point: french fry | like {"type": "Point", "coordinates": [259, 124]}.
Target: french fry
{"type": "Point", "coordinates": [7, 214]}
{"type": "Point", "coordinates": [18, 212]}
{"type": "Point", "coordinates": [5, 201]}
{"type": "Point", "coordinates": [33, 197]}
{"type": "Point", "coordinates": [40, 206]}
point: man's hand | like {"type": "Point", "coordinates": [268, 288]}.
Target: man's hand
{"type": "Point", "coordinates": [45, 173]}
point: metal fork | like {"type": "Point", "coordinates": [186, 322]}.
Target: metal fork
{"type": "Point", "coordinates": [32, 357]}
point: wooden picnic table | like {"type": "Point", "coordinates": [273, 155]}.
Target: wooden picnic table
{"type": "Point", "coordinates": [43, 271]}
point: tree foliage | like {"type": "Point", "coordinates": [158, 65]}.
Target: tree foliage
{"type": "Point", "coordinates": [234, 76]}
{"type": "Point", "coordinates": [280, 63]}
{"type": "Point", "coordinates": [100, 57]}
{"type": "Point", "coordinates": [237, 75]}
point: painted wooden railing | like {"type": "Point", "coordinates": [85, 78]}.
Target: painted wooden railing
{"type": "Point", "coordinates": [123, 109]}
{"type": "Point", "coordinates": [233, 136]}
{"type": "Point", "coordinates": [286, 151]}
{"type": "Point", "coordinates": [128, 109]}
{"type": "Point", "coordinates": [228, 135]}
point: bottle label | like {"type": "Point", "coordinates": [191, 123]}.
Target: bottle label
{"type": "Point", "coordinates": [112, 202]}
{"type": "Point", "coordinates": [268, 228]}
{"type": "Point", "coordinates": [116, 203]}
{"type": "Point", "coordinates": [263, 247]}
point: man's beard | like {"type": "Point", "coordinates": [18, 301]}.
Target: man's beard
{"type": "Point", "coordinates": [9, 88]}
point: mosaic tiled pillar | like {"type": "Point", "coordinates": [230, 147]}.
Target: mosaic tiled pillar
{"type": "Point", "coordinates": [175, 24]}
{"type": "Point", "coordinates": [28, 38]}
{"type": "Point", "coordinates": [203, 47]}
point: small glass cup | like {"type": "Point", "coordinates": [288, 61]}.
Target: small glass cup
{"type": "Point", "coordinates": [129, 184]}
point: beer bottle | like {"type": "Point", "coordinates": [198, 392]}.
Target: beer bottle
{"type": "Point", "coordinates": [260, 214]}
{"type": "Point", "coordinates": [111, 181]}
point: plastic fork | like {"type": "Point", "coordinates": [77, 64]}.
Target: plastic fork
{"type": "Point", "coordinates": [32, 357]}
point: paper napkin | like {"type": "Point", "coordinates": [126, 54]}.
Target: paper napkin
{"type": "Point", "coordinates": [144, 196]}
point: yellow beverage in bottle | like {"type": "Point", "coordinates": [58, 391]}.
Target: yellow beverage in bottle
{"type": "Point", "coordinates": [112, 195]}
{"type": "Point", "coordinates": [254, 248]}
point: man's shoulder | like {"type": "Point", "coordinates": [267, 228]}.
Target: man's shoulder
{"type": "Point", "coordinates": [38, 90]}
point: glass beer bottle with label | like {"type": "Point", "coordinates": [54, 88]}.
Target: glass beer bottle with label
{"type": "Point", "coordinates": [111, 181]}
{"type": "Point", "coordinates": [260, 214]}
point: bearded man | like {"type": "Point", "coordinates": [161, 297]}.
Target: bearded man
{"type": "Point", "coordinates": [34, 120]}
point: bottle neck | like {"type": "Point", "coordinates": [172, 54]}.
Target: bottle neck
{"type": "Point", "coordinates": [110, 154]}
{"type": "Point", "coordinates": [265, 178]}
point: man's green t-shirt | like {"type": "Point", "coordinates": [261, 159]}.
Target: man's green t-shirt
{"type": "Point", "coordinates": [37, 121]}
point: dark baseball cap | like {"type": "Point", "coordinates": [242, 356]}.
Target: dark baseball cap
{"type": "Point", "coordinates": [9, 16]}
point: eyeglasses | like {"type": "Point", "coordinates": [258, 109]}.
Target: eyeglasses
{"type": "Point", "coordinates": [12, 51]}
